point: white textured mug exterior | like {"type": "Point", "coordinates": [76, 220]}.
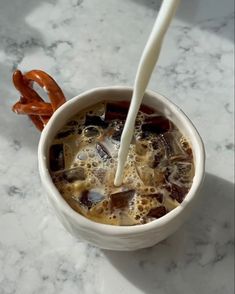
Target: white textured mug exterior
{"type": "Point", "coordinates": [109, 236]}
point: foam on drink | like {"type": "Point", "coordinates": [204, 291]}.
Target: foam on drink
{"type": "Point", "coordinates": [83, 161]}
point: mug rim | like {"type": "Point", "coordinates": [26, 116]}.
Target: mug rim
{"type": "Point", "coordinates": [108, 229]}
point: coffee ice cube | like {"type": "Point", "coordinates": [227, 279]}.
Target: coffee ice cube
{"type": "Point", "coordinates": [116, 110]}
{"type": "Point", "coordinates": [56, 155]}
{"type": "Point", "coordinates": [156, 124]}
{"type": "Point", "coordinates": [160, 151]}
{"type": "Point", "coordinates": [181, 172]}
{"type": "Point", "coordinates": [102, 151]}
{"type": "Point", "coordinates": [157, 212]}
{"type": "Point", "coordinates": [178, 192]}
{"type": "Point", "coordinates": [94, 120]}
{"type": "Point", "coordinates": [117, 135]}
{"type": "Point", "coordinates": [115, 130]}
{"type": "Point", "coordinates": [172, 142]}
{"type": "Point", "coordinates": [119, 110]}
{"type": "Point", "coordinates": [158, 196]}
{"type": "Point", "coordinates": [72, 123]}
{"type": "Point", "coordinates": [121, 199]}
{"type": "Point", "coordinates": [90, 198]}
{"type": "Point", "coordinates": [185, 169]}
{"type": "Point", "coordinates": [146, 174]}
{"type": "Point", "coordinates": [84, 199]}
{"type": "Point", "coordinates": [65, 133]}
{"type": "Point", "coordinates": [186, 146]}
{"type": "Point", "coordinates": [75, 174]}
{"type": "Point", "coordinates": [146, 109]}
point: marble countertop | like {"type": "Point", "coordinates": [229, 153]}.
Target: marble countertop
{"type": "Point", "coordinates": [84, 44]}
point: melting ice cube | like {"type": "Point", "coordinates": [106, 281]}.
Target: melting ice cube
{"type": "Point", "coordinates": [178, 192]}
{"type": "Point", "coordinates": [56, 155]}
{"type": "Point", "coordinates": [157, 212]}
{"type": "Point", "coordinates": [102, 151]}
{"type": "Point", "coordinates": [156, 124]}
{"type": "Point", "coordinates": [93, 120]}
{"type": "Point", "coordinates": [75, 174]}
{"type": "Point", "coordinates": [121, 199]}
{"type": "Point", "coordinates": [89, 198]}
{"type": "Point", "coordinates": [116, 110]}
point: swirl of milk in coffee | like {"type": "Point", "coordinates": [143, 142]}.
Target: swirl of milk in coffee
{"type": "Point", "coordinates": [146, 65]}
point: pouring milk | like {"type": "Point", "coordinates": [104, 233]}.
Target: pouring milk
{"type": "Point", "coordinates": [146, 65]}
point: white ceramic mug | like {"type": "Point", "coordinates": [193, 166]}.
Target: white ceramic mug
{"type": "Point", "coordinates": [120, 237]}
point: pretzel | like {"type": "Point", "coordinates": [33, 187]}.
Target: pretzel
{"type": "Point", "coordinates": [30, 102]}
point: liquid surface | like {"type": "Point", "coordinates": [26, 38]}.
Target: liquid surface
{"type": "Point", "coordinates": [157, 175]}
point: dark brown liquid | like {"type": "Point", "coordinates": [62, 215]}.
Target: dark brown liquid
{"type": "Point", "coordinates": [158, 172]}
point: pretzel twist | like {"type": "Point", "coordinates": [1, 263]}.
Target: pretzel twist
{"type": "Point", "coordinates": [30, 102]}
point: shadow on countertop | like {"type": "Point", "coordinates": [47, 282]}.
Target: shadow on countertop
{"type": "Point", "coordinates": [197, 254]}
{"type": "Point", "coordinates": [215, 16]}
{"type": "Point", "coordinates": [19, 39]}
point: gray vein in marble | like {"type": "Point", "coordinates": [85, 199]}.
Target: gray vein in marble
{"type": "Point", "coordinates": [227, 107]}
{"type": "Point", "coordinates": [229, 146]}
{"type": "Point", "coordinates": [16, 145]}
{"type": "Point", "coordinates": [14, 191]}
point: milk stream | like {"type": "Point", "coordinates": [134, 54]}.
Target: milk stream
{"type": "Point", "coordinates": [145, 68]}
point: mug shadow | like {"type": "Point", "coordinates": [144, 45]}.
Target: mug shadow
{"type": "Point", "coordinates": [202, 247]}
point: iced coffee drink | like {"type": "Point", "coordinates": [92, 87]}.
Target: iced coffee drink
{"type": "Point", "coordinates": [158, 172]}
